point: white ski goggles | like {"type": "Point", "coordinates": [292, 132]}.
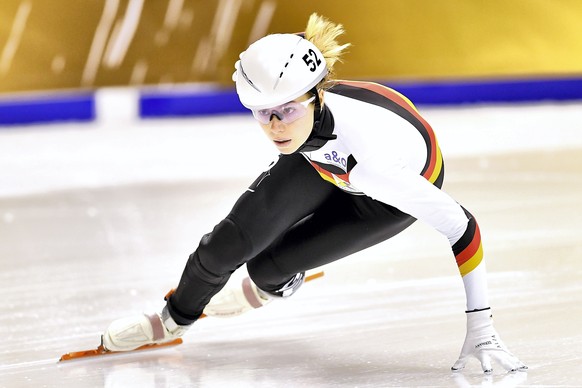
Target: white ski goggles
{"type": "Point", "coordinates": [286, 113]}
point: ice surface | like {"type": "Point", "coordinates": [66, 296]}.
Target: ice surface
{"type": "Point", "coordinates": [96, 221]}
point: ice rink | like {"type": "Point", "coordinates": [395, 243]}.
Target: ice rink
{"type": "Point", "coordinates": [97, 221]}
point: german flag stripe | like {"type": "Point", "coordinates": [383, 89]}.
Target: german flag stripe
{"type": "Point", "coordinates": [329, 167]}
{"type": "Point", "coordinates": [469, 250]}
{"type": "Point", "coordinates": [473, 262]}
{"type": "Point", "coordinates": [402, 106]}
{"type": "Point", "coordinates": [437, 167]}
{"type": "Point", "coordinates": [326, 175]}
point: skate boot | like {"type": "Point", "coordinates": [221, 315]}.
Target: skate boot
{"type": "Point", "coordinates": [130, 333]}
{"type": "Point", "coordinates": [238, 299]}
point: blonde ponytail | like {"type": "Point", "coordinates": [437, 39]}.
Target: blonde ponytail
{"type": "Point", "coordinates": [323, 34]}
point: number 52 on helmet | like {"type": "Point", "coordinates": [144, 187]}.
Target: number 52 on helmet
{"type": "Point", "coordinates": [277, 69]}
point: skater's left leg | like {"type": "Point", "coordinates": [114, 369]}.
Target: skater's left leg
{"type": "Point", "coordinates": [344, 225]}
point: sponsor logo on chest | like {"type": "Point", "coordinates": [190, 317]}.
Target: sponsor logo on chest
{"type": "Point", "coordinates": [336, 158]}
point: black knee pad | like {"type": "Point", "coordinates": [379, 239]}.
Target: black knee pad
{"type": "Point", "coordinates": [269, 278]}
{"type": "Point", "coordinates": [223, 250]}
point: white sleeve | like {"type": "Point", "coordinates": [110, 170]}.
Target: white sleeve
{"type": "Point", "coordinates": [395, 185]}
{"type": "Point", "coordinates": [411, 193]}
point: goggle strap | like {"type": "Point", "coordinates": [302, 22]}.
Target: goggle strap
{"type": "Point", "coordinates": [317, 104]}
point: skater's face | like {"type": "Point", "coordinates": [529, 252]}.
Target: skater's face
{"type": "Point", "coordinates": [288, 125]}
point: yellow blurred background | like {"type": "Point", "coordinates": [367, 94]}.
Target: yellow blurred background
{"type": "Point", "coordinates": [86, 44]}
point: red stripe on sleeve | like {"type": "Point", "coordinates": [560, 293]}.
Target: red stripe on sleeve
{"type": "Point", "coordinates": [393, 96]}
{"type": "Point", "coordinates": [471, 249]}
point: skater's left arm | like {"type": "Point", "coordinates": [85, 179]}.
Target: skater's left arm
{"type": "Point", "coordinates": [411, 193]}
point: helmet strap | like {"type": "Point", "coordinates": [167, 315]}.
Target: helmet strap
{"type": "Point", "coordinates": [323, 125]}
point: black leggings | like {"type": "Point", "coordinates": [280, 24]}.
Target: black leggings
{"type": "Point", "coordinates": [290, 220]}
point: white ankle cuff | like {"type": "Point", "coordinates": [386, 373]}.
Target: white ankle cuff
{"type": "Point", "coordinates": [171, 326]}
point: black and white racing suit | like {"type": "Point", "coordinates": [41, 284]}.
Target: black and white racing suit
{"type": "Point", "coordinates": [377, 170]}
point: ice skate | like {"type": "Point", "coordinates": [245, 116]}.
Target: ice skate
{"type": "Point", "coordinates": [135, 332]}
{"type": "Point", "coordinates": [246, 296]}
{"type": "Point", "coordinates": [143, 332]}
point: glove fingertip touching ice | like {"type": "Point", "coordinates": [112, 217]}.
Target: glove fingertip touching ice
{"type": "Point", "coordinates": [483, 342]}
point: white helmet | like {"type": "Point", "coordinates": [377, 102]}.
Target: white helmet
{"type": "Point", "coordinates": [277, 69]}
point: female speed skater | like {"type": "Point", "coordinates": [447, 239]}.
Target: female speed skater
{"type": "Point", "coordinates": [358, 165]}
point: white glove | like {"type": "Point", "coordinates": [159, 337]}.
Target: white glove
{"type": "Point", "coordinates": [483, 343]}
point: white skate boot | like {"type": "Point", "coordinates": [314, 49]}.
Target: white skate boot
{"type": "Point", "coordinates": [238, 299]}
{"type": "Point", "coordinates": [130, 333]}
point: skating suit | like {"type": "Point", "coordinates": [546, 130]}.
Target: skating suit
{"type": "Point", "coordinates": [370, 168]}
{"type": "Point", "coordinates": [387, 151]}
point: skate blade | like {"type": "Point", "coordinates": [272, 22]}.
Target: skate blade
{"type": "Point", "coordinates": [314, 276]}
{"type": "Point", "coordinates": [101, 351]}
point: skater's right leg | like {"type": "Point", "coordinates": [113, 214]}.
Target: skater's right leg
{"type": "Point", "coordinates": [206, 270]}
{"type": "Point", "coordinates": [282, 196]}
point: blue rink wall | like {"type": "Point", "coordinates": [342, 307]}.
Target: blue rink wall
{"type": "Point", "coordinates": [81, 107]}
